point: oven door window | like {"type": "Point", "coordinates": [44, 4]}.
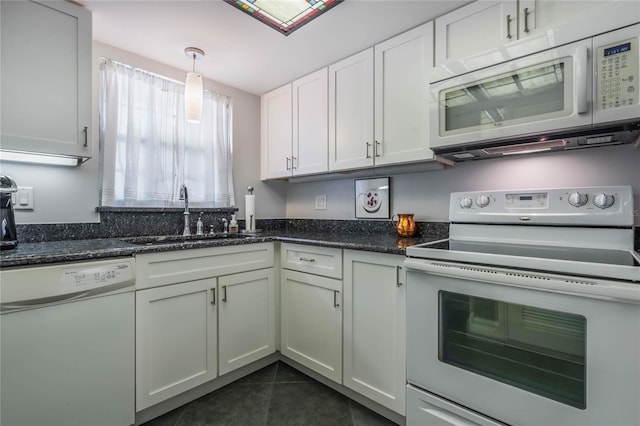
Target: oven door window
{"type": "Point", "coordinates": [538, 350]}
{"type": "Point", "coordinates": [534, 93]}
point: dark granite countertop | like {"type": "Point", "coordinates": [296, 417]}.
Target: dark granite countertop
{"type": "Point", "coordinates": [101, 248]}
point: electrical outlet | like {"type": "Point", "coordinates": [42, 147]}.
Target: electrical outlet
{"type": "Point", "coordinates": [321, 202]}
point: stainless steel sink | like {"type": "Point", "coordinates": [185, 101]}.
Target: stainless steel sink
{"type": "Point", "coordinates": [180, 239]}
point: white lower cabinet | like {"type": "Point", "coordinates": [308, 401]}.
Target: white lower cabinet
{"type": "Point", "coordinates": [194, 323]}
{"type": "Point", "coordinates": [311, 322]}
{"type": "Point", "coordinates": [374, 327]}
{"type": "Point", "coordinates": [176, 339]}
{"type": "Point", "coordinates": [246, 318]}
{"type": "Point", "coordinates": [311, 307]}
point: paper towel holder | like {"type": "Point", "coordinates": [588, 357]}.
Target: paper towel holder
{"type": "Point", "coordinates": [250, 220]}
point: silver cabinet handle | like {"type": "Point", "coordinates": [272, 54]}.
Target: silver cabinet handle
{"type": "Point", "coordinates": [224, 293]}
{"type": "Point", "coordinates": [398, 280]}
{"type": "Point", "coordinates": [86, 136]}
{"type": "Point", "coordinates": [213, 296]}
{"type": "Point", "coordinates": [336, 303]}
{"type": "Point", "coordinates": [368, 145]}
{"type": "Point", "coordinates": [526, 20]}
{"type": "Point", "coordinates": [307, 259]}
{"type": "Point", "coordinates": [375, 149]}
{"type": "Point", "coordinates": [288, 159]}
{"type": "Point", "coordinates": [509, 27]}
{"type": "Point", "coordinates": [293, 163]}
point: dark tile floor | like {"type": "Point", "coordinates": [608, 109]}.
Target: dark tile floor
{"type": "Point", "coordinates": [276, 395]}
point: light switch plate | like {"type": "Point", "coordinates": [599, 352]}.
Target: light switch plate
{"type": "Point", "coordinates": [23, 198]}
{"type": "Point", "coordinates": [321, 202]}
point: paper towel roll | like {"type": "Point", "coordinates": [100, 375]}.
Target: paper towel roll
{"type": "Point", "coordinates": [250, 212]}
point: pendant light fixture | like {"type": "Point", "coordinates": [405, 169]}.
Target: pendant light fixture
{"type": "Point", "coordinates": [193, 88]}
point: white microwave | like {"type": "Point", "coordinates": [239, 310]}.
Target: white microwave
{"type": "Point", "coordinates": [580, 94]}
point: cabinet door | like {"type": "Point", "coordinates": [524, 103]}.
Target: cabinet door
{"type": "Point", "coordinates": [374, 327]}
{"type": "Point", "coordinates": [401, 97]}
{"type": "Point", "coordinates": [548, 23]}
{"type": "Point", "coordinates": [46, 77]}
{"type": "Point", "coordinates": [311, 322]}
{"type": "Point", "coordinates": [351, 112]}
{"type": "Point", "coordinates": [275, 137]}
{"type": "Point", "coordinates": [176, 334]}
{"type": "Point", "coordinates": [246, 317]}
{"type": "Point", "coordinates": [478, 27]}
{"type": "Point", "coordinates": [310, 124]}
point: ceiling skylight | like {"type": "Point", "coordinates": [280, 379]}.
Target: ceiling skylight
{"type": "Point", "coordinates": [285, 16]}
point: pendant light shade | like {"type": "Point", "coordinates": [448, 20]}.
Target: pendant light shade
{"type": "Point", "coordinates": [193, 92]}
{"type": "Point", "coordinates": [193, 97]}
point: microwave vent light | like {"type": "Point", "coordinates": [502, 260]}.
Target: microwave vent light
{"type": "Point", "coordinates": [526, 148]}
{"type": "Point", "coordinates": [599, 140]}
{"type": "Point", "coordinates": [464, 155]}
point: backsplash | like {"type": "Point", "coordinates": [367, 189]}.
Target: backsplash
{"type": "Point", "coordinates": [116, 223]}
{"type": "Point", "coordinates": [431, 230]}
{"type": "Point", "coordinates": [140, 222]}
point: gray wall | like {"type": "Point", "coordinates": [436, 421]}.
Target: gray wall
{"type": "Point", "coordinates": [426, 194]}
{"type": "Point", "coordinates": [70, 195]}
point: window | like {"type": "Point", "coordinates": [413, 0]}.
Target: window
{"type": "Point", "coordinates": [148, 148]}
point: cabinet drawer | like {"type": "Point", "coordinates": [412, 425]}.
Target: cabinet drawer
{"type": "Point", "coordinates": [315, 260]}
{"type": "Point", "coordinates": [157, 269]}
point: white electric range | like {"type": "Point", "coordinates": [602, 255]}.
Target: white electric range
{"type": "Point", "coordinates": [529, 313]}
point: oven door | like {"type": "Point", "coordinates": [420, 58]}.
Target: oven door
{"type": "Point", "coordinates": [519, 354]}
{"type": "Point", "coordinates": [545, 92]}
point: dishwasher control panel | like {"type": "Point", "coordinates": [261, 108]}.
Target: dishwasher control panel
{"type": "Point", "coordinates": [35, 286]}
{"type": "Point", "coordinates": [81, 277]}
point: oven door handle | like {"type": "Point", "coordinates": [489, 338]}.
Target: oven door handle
{"type": "Point", "coordinates": [565, 284]}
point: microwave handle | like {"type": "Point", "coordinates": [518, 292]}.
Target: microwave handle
{"type": "Point", "coordinates": [581, 80]}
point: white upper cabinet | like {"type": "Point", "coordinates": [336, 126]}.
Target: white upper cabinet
{"type": "Point", "coordinates": [402, 67]}
{"type": "Point", "coordinates": [488, 32]}
{"type": "Point", "coordinates": [46, 77]}
{"type": "Point", "coordinates": [275, 138]}
{"type": "Point", "coordinates": [351, 112]}
{"type": "Point", "coordinates": [477, 27]}
{"type": "Point", "coordinates": [294, 128]}
{"type": "Point", "coordinates": [378, 103]}
{"type": "Point", "coordinates": [310, 152]}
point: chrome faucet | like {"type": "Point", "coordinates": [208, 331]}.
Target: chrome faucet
{"type": "Point", "coordinates": [184, 195]}
{"type": "Point", "coordinates": [224, 225]}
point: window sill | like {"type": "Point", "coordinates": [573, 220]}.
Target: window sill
{"type": "Point", "coordinates": [102, 209]}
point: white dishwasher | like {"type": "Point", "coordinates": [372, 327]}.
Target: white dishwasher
{"type": "Point", "coordinates": [67, 344]}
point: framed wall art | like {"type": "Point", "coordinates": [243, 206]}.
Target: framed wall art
{"type": "Point", "coordinates": [372, 198]}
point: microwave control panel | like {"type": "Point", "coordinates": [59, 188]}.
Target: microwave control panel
{"type": "Point", "coordinates": [618, 74]}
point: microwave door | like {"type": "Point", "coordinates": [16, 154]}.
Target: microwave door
{"type": "Point", "coordinates": [539, 93]}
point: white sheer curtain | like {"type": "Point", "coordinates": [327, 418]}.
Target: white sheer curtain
{"type": "Point", "coordinates": [149, 149]}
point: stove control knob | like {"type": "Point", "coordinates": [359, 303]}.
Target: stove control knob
{"type": "Point", "coordinates": [603, 200]}
{"type": "Point", "coordinates": [577, 199]}
{"type": "Point", "coordinates": [482, 201]}
{"type": "Point", "coordinates": [466, 203]}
